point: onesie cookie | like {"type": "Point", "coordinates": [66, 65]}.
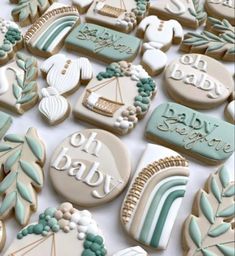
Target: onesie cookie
{"type": "Point", "coordinates": [60, 231]}
{"type": "Point", "coordinates": [209, 230]}
{"type": "Point", "coordinates": [27, 11]}
{"type": "Point", "coordinates": [120, 15]}
{"type": "Point", "coordinates": [158, 36]}
{"type": "Point", "coordinates": [230, 109]}
{"type": "Point", "coordinates": [154, 197]}
{"type": "Point", "coordinates": [132, 251]}
{"type": "Point", "coordinates": [5, 123]}
{"type": "Point", "coordinates": [195, 80]}
{"type": "Point", "coordinates": [22, 159]}
{"type": "Point", "coordinates": [102, 43]}
{"type": "Point", "coordinates": [90, 168]}
{"type": "Point", "coordinates": [46, 36]}
{"type": "Point", "coordinates": [201, 136]}
{"type": "Point", "coordinates": [117, 98]}
{"type": "Point", "coordinates": [18, 84]}
{"type": "Point", "coordinates": [11, 40]}
{"type": "Point", "coordinates": [189, 13]}
{"type": "Point", "coordinates": [2, 235]}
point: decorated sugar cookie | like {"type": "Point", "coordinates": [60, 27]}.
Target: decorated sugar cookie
{"type": "Point", "coordinates": [117, 98]}
{"type": "Point", "coordinates": [209, 230]}
{"type": "Point", "coordinates": [90, 168]}
{"type": "Point", "coordinates": [154, 197]}
{"type": "Point", "coordinates": [5, 123]}
{"type": "Point", "coordinates": [60, 231]}
{"type": "Point", "coordinates": [132, 251]}
{"type": "Point", "coordinates": [27, 11]}
{"type": "Point", "coordinates": [195, 80]}
{"type": "Point", "coordinates": [122, 15]}
{"type": "Point", "coordinates": [158, 36]}
{"type": "Point", "coordinates": [2, 235]}
{"type": "Point", "coordinates": [102, 43]}
{"type": "Point", "coordinates": [230, 109]}
{"type": "Point", "coordinates": [82, 5]}
{"type": "Point", "coordinates": [221, 9]}
{"type": "Point", "coordinates": [206, 138]}
{"type": "Point", "coordinates": [18, 85]}
{"type": "Point", "coordinates": [65, 74]}
{"type": "Point", "coordinates": [22, 159]}
{"type": "Point", "coordinates": [216, 41]}
{"type": "Point", "coordinates": [46, 36]}
{"type": "Point", "coordinates": [189, 13]}
{"type": "Point", "coordinates": [11, 40]}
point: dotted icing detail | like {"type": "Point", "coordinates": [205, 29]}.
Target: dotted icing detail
{"type": "Point", "coordinates": [94, 246]}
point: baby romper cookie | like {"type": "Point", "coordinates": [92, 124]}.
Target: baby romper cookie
{"type": "Point", "coordinates": [18, 85]}
{"type": "Point", "coordinates": [11, 40]}
{"type": "Point", "coordinates": [90, 168]}
{"type": "Point", "coordinates": [209, 230]}
{"type": "Point", "coordinates": [154, 197]}
{"type": "Point", "coordinates": [27, 11]}
{"type": "Point", "coordinates": [60, 231]}
{"type": "Point", "coordinates": [132, 251]}
{"type": "Point", "coordinates": [221, 9]}
{"type": "Point", "coordinates": [158, 37]}
{"type": "Point", "coordinates": [22, 159]}
{"type": "Point", "coordinates": [82, 5]}
{"type": "Point", "coordinates": [230, 109]}
{"type": "Point", "coordinates": [217, 41]}
{"type": "Point", "coordinates": [102, 43]}
{"type": "Point", "coordinates": [65, 74]}
{"type": "Point", "coordinates": [5, 123]}
{"type": "Point", "coordinates": [189, 13]}
{"type": "Point", "coordinates": [195, 80]}
{"type": "Point", "coordinates": [203, 137]}
{"type": "Point", "coordinates": [122, 15]}
{"type": "Point", "coordinates": [46, 36]}
{"type": "Point", "coordinates": [117, 98]}
{"type": "Point", "coordinates": [2, 235]}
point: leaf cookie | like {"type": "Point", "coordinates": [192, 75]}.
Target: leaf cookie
{"type": "Point", "coordinates": [2, 235]}
{"type": "Point", "coordinates": [18, 86]}
{"type": "Point", "coordinates": [22, 159]}
{"type": "Point", "coordinates": [5, 123]}
{"type": "Point", "coordinates": [209, 231]}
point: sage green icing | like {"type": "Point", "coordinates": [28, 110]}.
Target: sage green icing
{"type": "Point", "coordinates": [19, 211]}
{"type": "Point", "coordinates": [219, 230]}
{"type": "Point", "coordinates": [24, 192]}
{"type": "Point", "coordinates": [11, 160]}
{"type": "Point", "coordinates": [7, 202]}
{"type": "Point", "coordinates": [208, 253]}
{"type": "Point", "coordinates": [195, 232]}
{"type": "Point", "coordinates": [5, 123]}
{"type": "Point", "coordinates": [36, 148]}
{"type": "Point", "coordinates": [215, 189]}
{"type": "Point", "coordinates": [206, 208]}
{"type": "Point", "coordinates": [7, 182]}
{"type": "Point", "coordinates": [15, 138]}
{"type": "Point", "coordinates": [93, 245]}
{"type": "Point", "coordinates": [228, 212]}
{"type": "Point", "coordinates": [230, 191]}
{"type": "Point", "coordinates": [194, 132]}
{"type": "Point", "coordinates": [29, 170]}
{"type": "Point", "coordinates": [224, 177]}
{"type": "Point", "coordinates": [226, 250]}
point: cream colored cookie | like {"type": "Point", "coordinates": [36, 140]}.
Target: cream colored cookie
{"type": "Point", "coordinates": [2, 235]}
{"type": "Point", "coordinates": [82, 5]}
{"type": "Point", "coordinates": [18, 85]}
{"type": "Point", "coordinates": [230, 109]}
{"type": "Point", "coordinates": [132, 251]}
{"type": "Point", "coordinates": [22, 159]}
{"type": "Point", "coordinates": [90, 167]}
{"type": "Point", "coordinates": [5, 123]}
{"type": "Point", "coordinates": [209, 230]}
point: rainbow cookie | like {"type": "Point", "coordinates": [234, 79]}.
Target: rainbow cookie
{"type": "Point", "coordinates": [5, 123]}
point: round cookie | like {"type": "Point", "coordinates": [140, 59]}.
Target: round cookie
{"type": "Point", "coordinates": [90, 168]}
{"type": "Point", "coordinates": [195, 80]}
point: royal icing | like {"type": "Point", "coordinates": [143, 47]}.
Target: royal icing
{"type": "Point", "coordinates": [102, 43]}
{"type": "Point", "coordinates": [90, 167]}
{"type": "Point", "coordinates": [137, 251]}
{"type": "Point", "coordinates": [66, 74]}
{"type": "Point", "coordinates": [230, 109]}
{"type": "Point", "coordinates": [154, 197]}
{"type": "Point", "coordinates": [5, 123]}
{"type": "Point", "coordinates": [2, 235]}
{"type": "Point", "coordinates": [201, 136]}
{"type": "Point", "coordinates": [195, 80]}
{"type": "Point", "coordinates": [82, 5]}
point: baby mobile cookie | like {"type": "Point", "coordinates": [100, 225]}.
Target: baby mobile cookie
{"type": "Point", "coordinates": [5, 123]}
{"type": "Point", "coordinates": [230, 109]}
{"type": "Point", "coordinates": [90, 168]}
{"type": "Point", "coordinates": [2, 235]}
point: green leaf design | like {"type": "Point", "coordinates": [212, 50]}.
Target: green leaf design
{"type": "Point", "coordinates": [30, 171]}
{"type": "Point", "coordinates": [20, 211]}
{"type": "Point", "coordinates": [20, 63]}
{"type": "Point", "coordinates": [32, 86]}
{"type": "Point", "coordinates": [12, 159]}
{"type": "Point", "coordinates": [224, 177]}
{"type": "Point", "coordinates": [35, 147]}
{"type": "Point", "coordinates": [24, 192]}
{"type": "Point", "coordinates": [226, 250]}
{"type": "Point", "coordinates": [26, 98]}
{"type": "Point", "coordinates": [206, 208]}
{"type": "Point", "coordinates": [14, 138]}
{"type": "Point", "coordinates": [230, 191]}
{"type": "Point", "coordinates": [17, 91]}
{"type": "Point", "coordinates": [206, 252]}
{"type": "Point", "coordinates": [228, 212]}
{"type": "Point", "coordinates": [7, 182]}
{"type": "Point", "coordinates": [215, 190]}
{"type": "Point", "coordinates": [198, 13]}
{"type": "Point", "coordinates": [30, 74]}
{"type": "Point", "coordinates": [4, 147]}
{"type": "Point", "coordinates": [195, 232]}
{"type": "Point", "coordinates": [220, 230]}
{"type": "Point", "coordinates": [8, 202]}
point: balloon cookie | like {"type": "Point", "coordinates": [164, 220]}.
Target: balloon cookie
{"type": "Point", "coordinates": [90, 168]}
{"type": "Point", "coordinates": [117, 98]}
{"type": "Point", "coordinates": [195, 80]}
{"type": "Point", "coordinates": [209, 230]}
{"type": "Point", "coordinates": [82, 5]}
{"type": "Point", "coordinates": [230, 109]}
{"type": "Point", "coordinates": [18, 84]}
{"type": "Point", "coordinates": [5, 123]}
{"type": "Point", "coordinates": [22, 159]}
{"type": "Point", "coordinates": [60, 231]}
{"type": "Point", "coordinates": [2, 235]}
{"type": "Point", "coordinates": [154, 197]}
{"type": "Point", "coordinates": [133, 251]}
{"type": "Point", "coordinates": [206, 138]}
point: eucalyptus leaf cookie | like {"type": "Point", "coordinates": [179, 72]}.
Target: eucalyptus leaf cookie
{"type": "Point", "coordinates": [60, 231]}
{"type": "Point", "coordinates": [132, 251]}
{"type": "Point", "coordinates": [154, 197]}
{"type": "Point", "coordinates": [2, 235]}
{"type": "Point", "coordinates": [5, 123]}
{"type": "Point", "coordinates": [209, 230]}
{"type": "Point", "coordinates": [117, 98]}
{"type": "Point", "coordinates": [46, 36]}
{"type": "Point", "coordinates": [195, 80]}
{"type": "Point", "coordinates": [230, 109]}
{"type": "Point", "coordinates": [27, 11]}
{"type": "Point", "coordinates": [21, 160]}
{"type": "Point", "coordinates": [11, 40]}
{"type": "Point", "coordinates": [90, 168]}
{"type": "Point", "coordinates": [18, 84]}
{"type": "Point", "coordinates": [201, 136]}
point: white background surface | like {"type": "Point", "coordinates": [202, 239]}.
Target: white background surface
{"type": "Point", "coordinates": [107, 215]}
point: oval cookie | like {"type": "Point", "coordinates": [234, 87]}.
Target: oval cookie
{"type": "Point", "coordinates": [195, 80]}
{"type": "Point", "coordinates": [206, 138]}
{"type": "Point", "coordinates": [90, 167]}
{"type": "Point", "coordinates": [154, 197]}
{"type": "Point", "coordinates": [60, 231]}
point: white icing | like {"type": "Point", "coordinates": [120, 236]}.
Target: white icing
{"type": "Point", "coordinates": [230, 110]}
{"type": "Point", "coordinates": [92, 100]}
{"type": "Point", "coordinates": [99, 5]}
{"type": "Point", "coordinates": [138, 72]}
{"type": "Point", "coordinates": [133, 251]}
{"type": "Point", "coordinates": [82, 3]}
{"type": "Point", "coordinates": [176, 7]}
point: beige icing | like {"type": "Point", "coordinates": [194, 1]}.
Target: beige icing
{"type": "Point", "coordinates": [2, 235]}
